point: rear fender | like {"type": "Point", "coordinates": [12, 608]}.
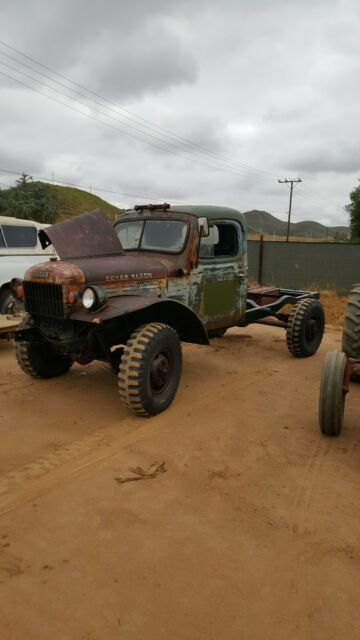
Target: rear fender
{"type": "Point", "coordinates": [137, 310]}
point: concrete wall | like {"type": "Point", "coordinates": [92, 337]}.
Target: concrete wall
{"type": "Point", "coordinates": [306, 265]}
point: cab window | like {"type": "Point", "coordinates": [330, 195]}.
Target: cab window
{"type": "Point", "coordinates": [152, 235]}
{"type": "Point", "coordinates": [18, 236]}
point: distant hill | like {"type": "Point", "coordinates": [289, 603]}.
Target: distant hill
{"type": "Point", "coordinates": [71, 202]}
{"type": "Point", "coordinates": [66, 202]}
{"type": "Point", "coordinates": [264, 222]}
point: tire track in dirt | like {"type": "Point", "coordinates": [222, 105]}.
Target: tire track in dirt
{"type": "Point", "coordinates": [305, 494]}
{"type": "Point", "coordinates": [55, 470]}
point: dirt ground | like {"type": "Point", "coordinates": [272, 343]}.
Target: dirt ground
{"type": "Point", "coordinates": [251, 534]}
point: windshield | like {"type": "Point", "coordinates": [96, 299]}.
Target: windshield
{"type": "Point", "coordinates": [152, 235]}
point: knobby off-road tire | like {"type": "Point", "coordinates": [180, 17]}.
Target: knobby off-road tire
{"type": "Point", "coordinates": [150, 369]}
{"type": "Point", "coordinates": [332, 395]}
{"type": "Point", "coordinates": [305, 328]}
{"type": "Point", "coordinates": [38, 361]}
{"type": "Point", "coordinates": [351, 331]}
{"type": "Point", "coordinates": [6, 302]}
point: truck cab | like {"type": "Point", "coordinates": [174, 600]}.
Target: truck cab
{"type": "Point", "coordinates": [203, 249]}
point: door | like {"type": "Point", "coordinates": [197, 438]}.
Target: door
{"type": "Point", "coordinates": [219, 283]}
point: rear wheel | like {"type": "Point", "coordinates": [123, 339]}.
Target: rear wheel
{"type": "Point", "coordinates": [332, 394]}
{"type": "Point", "coordinates": [305, 328]}
{"type": "Point", "coordinates": [37, 360]}
{"type": "Point", "coordinates": [150, 369]}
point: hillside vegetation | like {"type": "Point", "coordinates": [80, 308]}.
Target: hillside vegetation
{"type": "Point", "coordinates": [72, 202]}
{"type": "Point", "coordinates": [50, 203]}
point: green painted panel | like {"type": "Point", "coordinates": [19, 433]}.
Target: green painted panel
{"type": "Point", "coordinates": [219, 298]}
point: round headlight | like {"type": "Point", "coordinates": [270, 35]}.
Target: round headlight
{"type": "Point", "coordinates": [88, 298]}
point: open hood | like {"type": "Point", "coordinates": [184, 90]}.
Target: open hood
{"type": "Point", "coordinates": [85, 236]}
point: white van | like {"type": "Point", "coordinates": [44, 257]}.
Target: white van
{"type": "Point", "coordinates": [19, 249]}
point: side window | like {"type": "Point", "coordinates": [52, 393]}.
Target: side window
{"type": "Point", "coordinates": [2, 241]}
{"type": "Point", "coordinates": [228, 241]}
{"type": "Point", "coordinates": [222, 242]}
{"type": "Point", "coordinates": [19, 237]}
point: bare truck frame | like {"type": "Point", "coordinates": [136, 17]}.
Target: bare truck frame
{"type": "Point", "coordinates": [129, 295]}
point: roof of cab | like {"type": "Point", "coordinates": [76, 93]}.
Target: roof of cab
{"type": "Point", "coordinates": [212, 212]}
{"type": "Point", "coordinates": [22, 222]}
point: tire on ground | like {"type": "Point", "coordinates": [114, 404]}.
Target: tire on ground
{"type": "Point", "coordinates": [332, 396]}
{"type": "Point", "coordinates": [305, 328]}
{"type": "Point", "coordinates": [350, 344]}
{"type": "Point", "coordinates": [150, 369]}
{"type": "Point", "coordinates": [6, 300]}
{"type": "Point", "coordinates": [216, 333]}
{"type": "Point", "coordinates": [37, 360]}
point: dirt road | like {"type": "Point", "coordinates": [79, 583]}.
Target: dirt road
{"type": "Point", "coordinates": [251, 534]}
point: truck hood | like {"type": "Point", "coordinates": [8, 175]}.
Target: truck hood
{"type": "Point", "coordinates": [101, 270]}
{"type": "Point", "coordinates": [85, 236]}
{"type": "Point", "coordinates": [116, 269]}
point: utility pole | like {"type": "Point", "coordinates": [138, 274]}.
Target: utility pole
{"type": "Point", "coordinates": [291, 181]}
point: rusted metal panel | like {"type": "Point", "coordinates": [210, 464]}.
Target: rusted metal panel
{"type": "Point", "coordinates": [162, 308]}
{"type": "Point", "coordinates": [87, 235]}
{"type": "Point", "coordinates": [125, 268]}
{"type": "Point", "coordinates": [56, 272]}
{"type": "Point", "coordinates": [115, 307]}
{"type": "Point", "coordinates": [263, 295]}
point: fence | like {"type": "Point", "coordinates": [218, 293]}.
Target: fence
{"type": "Point", "coordinates": [304, 265]}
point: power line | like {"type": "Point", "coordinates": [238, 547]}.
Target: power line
{"type": "Point", "coordinates": [127, 133]}
{"type": "Point", "coordinates": [173, 139]}
{"type": "Point", "coordinates": [82, 186]}
{"type": "Point", "coordinates": [159, 130]}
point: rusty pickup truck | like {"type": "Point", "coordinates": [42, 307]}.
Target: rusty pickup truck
{"type": "Point", "coordinates": [130, 294]}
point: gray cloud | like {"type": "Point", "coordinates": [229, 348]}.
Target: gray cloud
{"type": "Point", "coordinates": [269, 85]}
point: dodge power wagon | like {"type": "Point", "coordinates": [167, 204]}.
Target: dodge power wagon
{"type": "Point", "coordinates": [130, 294]}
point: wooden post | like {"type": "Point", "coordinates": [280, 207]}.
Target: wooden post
{"type": "Point", "coordinates": [260, 265]}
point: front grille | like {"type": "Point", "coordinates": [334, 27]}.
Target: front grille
{"type": "Point", "coordinates": [44, 299]}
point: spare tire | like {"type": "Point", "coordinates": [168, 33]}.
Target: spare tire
{"type": "Point", "coordinates": [305, 327]}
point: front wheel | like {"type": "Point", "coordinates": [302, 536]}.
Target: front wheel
{"type": "Point", "coordinates": [305, 328]}
{"type": "Point", "coordinates": [150, 369]}
{"type": "Point", "coordinates": [7, 302]}
{"type": "Point", "coordinates": [332, 393]}
{"type": "Point", "coordinates": [216, 333]}
{"type": "Point", "coordinates": [37, 360]}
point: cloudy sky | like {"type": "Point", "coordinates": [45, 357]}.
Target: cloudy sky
{"type": "Point", "coordinates": [189, 101]}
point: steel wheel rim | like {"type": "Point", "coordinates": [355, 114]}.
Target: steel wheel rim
{"type": "Point", "coordinates": [161, 371]}
{"type": "Point", "coordinates": [311, 329]}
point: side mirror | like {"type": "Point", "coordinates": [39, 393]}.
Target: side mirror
{"type": "Point", "coordinates": [212, 238]}
{"type": "Point", "coordinates": [203, 227]}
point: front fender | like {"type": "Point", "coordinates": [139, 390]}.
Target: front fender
{"type": "Point", "coordinates": [138, 310]}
